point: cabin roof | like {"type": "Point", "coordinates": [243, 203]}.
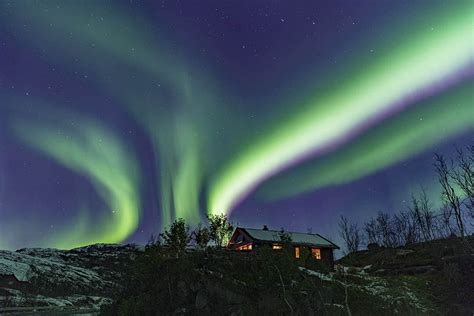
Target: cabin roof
{"type": "Point", "coordinates": [296, 238]}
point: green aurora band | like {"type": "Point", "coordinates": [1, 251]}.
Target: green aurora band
{"type": "Point", "coordinates": [173, 134]}
{"type": "Point", "coordinates": [418, 63]}
{"type": "Point", "coordinates": [409, 133]}
{"type": "Point", "coordinates": [182, 132]}
{"type": "Point", "coordinates": [95, 152]}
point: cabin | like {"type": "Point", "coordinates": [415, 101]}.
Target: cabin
{"type": "Point", "coordinates": [249, 239]}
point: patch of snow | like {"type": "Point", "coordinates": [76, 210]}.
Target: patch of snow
{"type": "Point", "coordinates": [20, 299]}
{"type": "Point", "coordinates": [20, 270]}
{"type": "Point", "coordinates": [375, 289]}
{"type": "Point", "coordinates": [336, 305]}
{"type": "Point", "coordinates": [322, 276]}
{"type": "Point", "coordinates": [25, 267]}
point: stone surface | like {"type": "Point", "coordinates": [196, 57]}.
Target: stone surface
{"type": "Point", "coordinates": [201, 299]}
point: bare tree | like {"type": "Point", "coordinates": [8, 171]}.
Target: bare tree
{"type": "Point", "coordinates": [385, 229]}
{"type": "Point", "coordinates": [405, 229]}
{"type": "Point", "coordinates": [371, 232]}
{"type": "Point", "coordinates": [445, 226]}
{"type": "Point", "coordinates": [426, 209]}
{"type": "Point", "coordinates": [452, 202]}
{"type": "Point", "coordinates": [381, 230]}
{"type": "Point", "coordinates": [350, 233]}
{"type": "Point", "coordinates": [422, 215]}
{"type": "Point", "coordinates": [463, 176]}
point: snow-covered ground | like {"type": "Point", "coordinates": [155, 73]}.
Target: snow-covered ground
{"type": "Point", "coordinates": [27, 268]}
{"type": "Point", "coordinates": [83, 277]}
{"type": "Point", "coordinates": [372, 285]}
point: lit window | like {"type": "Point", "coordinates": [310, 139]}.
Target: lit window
{"type": "Point", "coordinates": [297, 252]}
{"type": "Point", "coordinates": [276, 246]}
{"type": "Point", "coordinates": [245, 247]}
{"type": "Point", "coordinates": [316, 253]}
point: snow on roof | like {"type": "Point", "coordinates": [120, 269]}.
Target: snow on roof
{"type": "Point", "coordinates": [296, 238]}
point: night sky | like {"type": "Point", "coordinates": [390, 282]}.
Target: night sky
{"type": "Point", "coordinates": [116, 117]}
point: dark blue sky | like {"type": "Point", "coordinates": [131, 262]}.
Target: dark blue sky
{"type": "Point", "coordinates": [117, 117]}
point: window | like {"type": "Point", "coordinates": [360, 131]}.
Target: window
{"type": "Point", "coordinates": [276, 247]}
{"type": "Point", "coordinates": [316, 253]}
{"type": "Point", "coordinates": [245, 247]}
{"type": "Point", "coordinates": [297, 252]}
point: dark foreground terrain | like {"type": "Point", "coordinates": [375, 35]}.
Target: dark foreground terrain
{"type": "Point", "coordinates": [50, 280]}
{"type": "Point", "coordinates": [442, 269]}
{"type": "Point", "coordinates": [435, 278]}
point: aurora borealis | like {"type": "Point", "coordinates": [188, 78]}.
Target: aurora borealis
{"type": "Point", "coordinates": [118, 117]}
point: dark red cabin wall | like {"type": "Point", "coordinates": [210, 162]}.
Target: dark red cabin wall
{"type": "Point", "coordinates": [246, 239]}
{"type": "Point", "coordinates": [327, 255]}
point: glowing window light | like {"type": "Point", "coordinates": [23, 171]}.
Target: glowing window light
{"type": "Point", "coordinates": [245, 247]}
{"type": "Point", "coordinates": [316, 253]}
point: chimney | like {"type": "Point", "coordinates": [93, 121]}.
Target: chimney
{"type": "Point", "coordinates": [265, 227]}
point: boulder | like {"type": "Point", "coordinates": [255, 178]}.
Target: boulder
{"type": "Point", "coordinates": [201, 299]}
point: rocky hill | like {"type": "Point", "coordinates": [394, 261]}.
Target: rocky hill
{"type": "Point", "coordinates": [52, 279]}
{"type": "Point", "coordinates": [443, 269]}
{"type": "Point", "coordinates": [425, 279]}
{"type": "Point", "coordinates": [218, 282]}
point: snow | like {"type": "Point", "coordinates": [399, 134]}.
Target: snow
{"type": "Point", "coordinates": [300, 238]}
{"type": "Point", "coordinates": [17, 298]}
{"type": "Point", "coordinates": [85, 270]}
{"type": "Point", "coordinates": [20, 270]}
{"type": "Point", "coordinates": [336, 305]}
{"type": "Point", "coordinates": [322, 276]}
{"type": "Point", "coordinates": [54, 269]}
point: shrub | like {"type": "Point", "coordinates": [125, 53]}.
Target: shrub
{"type": "Point", "coordinates": [201, 236]}
{"type": "Point", "coordinates": [220, 229]}
{"type": "Point", "coordinates": [177, 237]}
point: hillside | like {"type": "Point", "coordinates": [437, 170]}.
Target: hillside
{"type": "Point", "coordinates": [267, 282]}
{"type": "Point", "coordinates": [51, 279]}
{"type": "Point", "coordinates": [424, 279]}
{"type": "Point", "coordinates": [444, 269]}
